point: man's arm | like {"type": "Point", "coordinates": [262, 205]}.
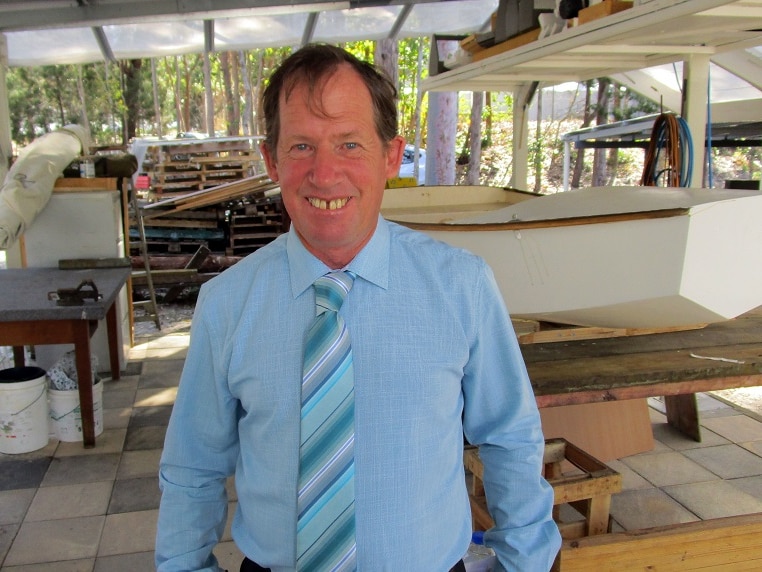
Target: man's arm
{"type": "Point", "coordinates": [501, 417]}
{"type": "Point", "coordinates": [200, 452]}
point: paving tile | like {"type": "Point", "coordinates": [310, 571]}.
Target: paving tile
{"type": "Point", "coordinates": [116, 418]}
{"type": "Point", "coordinates": [139, 464]}
{"type": "Point", "coordinates": [161, 373]}
{"type": "Point", "coordinates": [142, 438]}
{"type": "Point", "coordinates": [119, 398]}
{"type": "Point", "coordinates": [674, 439]}
{"type": "Point", "coordinates": [664, 469]}
{"type": "Point", "coordinates": [727, 461]}
{"type": "Point", "coordinates": [110, 441]}
{"type": "Point", "coordinates": [69, 501]}
{"type": "Point", "coordinates": [81, 469]}
{"type": "Point", "coordinates": [753, 446]}
{"type": "Point", "coordinates": [128, 533]}
{"type": "Point", "coordinates": [750, 485]}
{"type": "Point", "coordinates": [172, 353]}
{"type": "Point", "coordinates": [85, 565]}
{"type": "Point", "coordinates": [7, 534]}
{"type": "Point", "coordinates": [22, 473]}
{"type": "Point", "coordinates": [148, 416]}
{"type": "Point", "coordinates": [155, 396]}
{"type": "Point", "coordinates": [646, 508]}
{"type": "Point", "coordinates": [14, 504]}
{"type": "Point", "coordinates": [125, 562]}
{"type": "Point", "coordinates": [132, 495]}
{"type": "Point", "coordinates": [54, 540]}
{"type": "Point", "coordinates": [170, 341]}
{"type": "Point", "coordinates": [738, 428]}
{"type": "Point", "coordinates": [630, 479]}
{"type": "Point", "coordinates": [714, 500]}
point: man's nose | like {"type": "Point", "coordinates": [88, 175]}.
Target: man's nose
{"type": "Point", "coordinates": [325, 169]}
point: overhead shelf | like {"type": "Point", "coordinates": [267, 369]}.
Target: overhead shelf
{"type": "Point", "coordinates": [646, 35]}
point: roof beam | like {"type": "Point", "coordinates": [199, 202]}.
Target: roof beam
{"type": "Point", "coordinates": [309, 28]}
{"type": "Point", "coordinates": [400, 21]}
{"type": "Point", "coordinates": [103, 43]}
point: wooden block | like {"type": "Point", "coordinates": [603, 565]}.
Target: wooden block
{"type": "Point", "coordinates": [470, 44]}
{"type": "Point", "coordinates": [602, 9]}
{"type": "Point", "coordinates": [75, 185]}
{"type": "Point", "coordinates": [509, 44]}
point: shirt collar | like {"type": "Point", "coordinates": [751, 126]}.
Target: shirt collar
{"type": "Point", "coordinates": [371, 263]}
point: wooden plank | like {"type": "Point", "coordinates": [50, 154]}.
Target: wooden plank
{"type": "Point", "coordinates": [563, 334]}
{"type": "Point", "coordinates": [723, 544]}
{"type": "Point", "coordinates": [507, 45]}
{"type": "Point", "coordinates": [602, 9]}
{"type": "Point", "coordinates": [74, 185]}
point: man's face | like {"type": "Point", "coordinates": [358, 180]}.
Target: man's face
{"type": "Point", "coordinates": [332, 166]}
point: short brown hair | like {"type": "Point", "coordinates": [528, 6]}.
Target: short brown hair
{"type": "Point", "coordinates": [311, 65]}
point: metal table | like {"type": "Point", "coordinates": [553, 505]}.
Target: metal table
{"type": "Point", "coordinates": [28, 317]}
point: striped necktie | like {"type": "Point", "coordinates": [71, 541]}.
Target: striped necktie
{"type": "Point", "coordinates": [325, 537]}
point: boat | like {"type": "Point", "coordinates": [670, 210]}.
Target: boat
{"type": "Point", "coordinates": [611, 257]}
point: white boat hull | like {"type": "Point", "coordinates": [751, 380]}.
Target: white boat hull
{"type": "Point", "coordinates": [622, 257]}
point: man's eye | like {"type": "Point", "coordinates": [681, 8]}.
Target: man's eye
{"type": "Point", "coordinates": [301, 147]}
{"type": "Point", "coordinates": [351, 146]}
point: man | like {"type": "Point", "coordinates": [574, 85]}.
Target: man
{"type": "Point", "coordinates": [433, 355]}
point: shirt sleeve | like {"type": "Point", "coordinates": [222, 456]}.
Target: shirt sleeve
{"type": "Point", "coordinates": [502, 419]}
{"type": "Point", "coordinates": [199, 454]}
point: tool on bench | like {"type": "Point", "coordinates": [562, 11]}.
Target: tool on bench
{"type": "Point", "coordinates": [76, 296]}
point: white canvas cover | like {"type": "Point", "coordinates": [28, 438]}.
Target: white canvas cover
{"type": "Point", "coordinates": [29, 183]}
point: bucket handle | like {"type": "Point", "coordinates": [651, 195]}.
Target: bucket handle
{"type": "Point", "coordinates": [35, 400]}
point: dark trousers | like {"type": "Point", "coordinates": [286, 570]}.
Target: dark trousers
{"type": "Point", "coordinates": [249, 566]}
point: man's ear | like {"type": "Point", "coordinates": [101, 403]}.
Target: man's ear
{"type": "Point", "coordinates": [270, 163]}
{"type": "Point", "coordinates": [394, 152]}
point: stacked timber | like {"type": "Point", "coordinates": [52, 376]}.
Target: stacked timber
{"type": "Point", "coordinates": [231, 220]}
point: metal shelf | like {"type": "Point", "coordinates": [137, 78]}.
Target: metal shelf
{"type": "Point", "coordinates": [654, 33]}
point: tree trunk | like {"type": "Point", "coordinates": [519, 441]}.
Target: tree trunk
{"type": "Point", "coordinates": [231, 127]}
{"type": "Point", "coordinates": [156, 103]}
{"type": "Point", "coordinates": [475, 138]}
{"type": "Point", "coordinates": [131, 74]}
{"type": "Point", "coordinates": [209, 95]}
{"type": "Point", "coordinates": [387, 58]}
{"type": "Point", "coordinates": [538, 146]}
{"type": "Point", "coordinates": [82, 100]}
{"type": "Point", "coordinates": [442, 128]}
{"type": "Point", "coordinates": [579, 161]}
{"type": "Point", "coordinates": [602, 108]}
{"type": "Point", "coordinates": [248, 95]}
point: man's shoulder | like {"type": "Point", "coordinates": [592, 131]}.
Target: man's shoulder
{"type": "Point", "coordinates": [420, 246]}
{"type": "Point", "coordinates": [245, 270]}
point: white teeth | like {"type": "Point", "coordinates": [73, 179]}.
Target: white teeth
{"type": "Point", "coordinates": [332, 205]}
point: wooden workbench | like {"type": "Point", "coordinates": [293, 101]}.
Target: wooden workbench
{"type": "Point", "coordinates": [665, 364]}
{"type": "Point", "coordinates": [29, 317]}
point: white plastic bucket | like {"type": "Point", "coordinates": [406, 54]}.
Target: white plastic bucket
{"type": "Point", "coordinates": [66, 415]}
{"type": "Point", "coordinates": [23, 410]}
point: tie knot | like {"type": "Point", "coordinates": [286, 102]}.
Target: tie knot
{"type": "Point", "coordinates": [331, 289]}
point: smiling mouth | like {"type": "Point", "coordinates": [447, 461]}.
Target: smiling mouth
{"type": "Point", "coordinates": [328, 205]}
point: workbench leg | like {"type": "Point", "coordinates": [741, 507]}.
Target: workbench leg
{"type": "Point", "coordinates": [682, 414]}
{"type": "Point", "coordinates": [113, 341]}
{"type": "Point", "coordinates": [19, 360]}
{"type": "Point", "coordinates": [84, 381]}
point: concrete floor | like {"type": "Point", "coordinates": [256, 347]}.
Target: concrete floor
{"type": "Point", "coordinates": [68, 509]}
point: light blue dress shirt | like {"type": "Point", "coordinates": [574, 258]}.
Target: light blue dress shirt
{"type": "Point", "coordinates": [432, 344]}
